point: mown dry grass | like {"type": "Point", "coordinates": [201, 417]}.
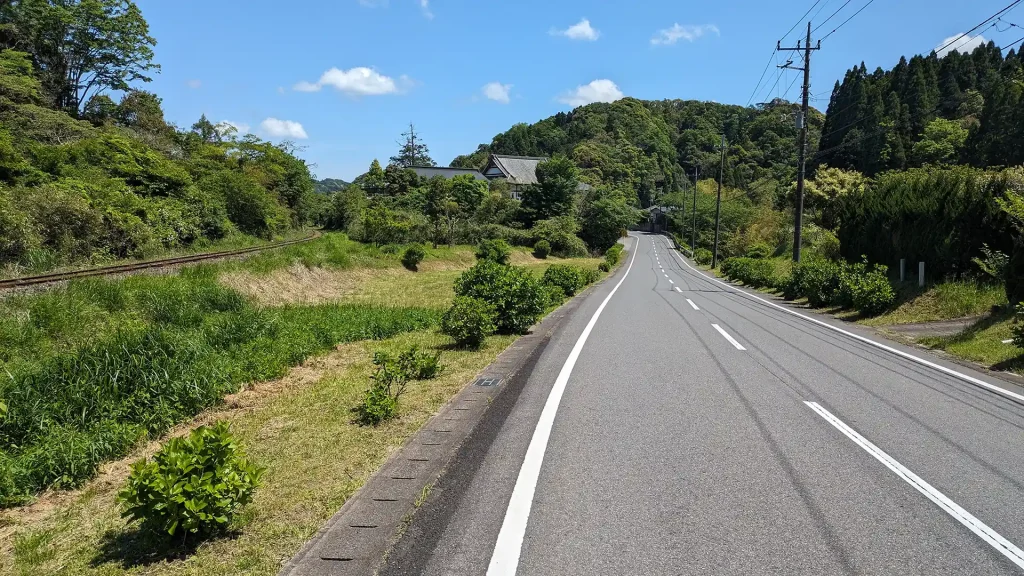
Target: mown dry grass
{"type": "Point", "coordinates": [301, 427]}
{"type": "Point", "coordinates": [945, 301]}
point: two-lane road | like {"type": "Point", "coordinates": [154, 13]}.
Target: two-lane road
{"type": "Point", "coordinates": [677, 425]}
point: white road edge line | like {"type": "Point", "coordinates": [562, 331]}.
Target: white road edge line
{"type": "Point", "coordinates": [726, 334]}
{"type": "Point", "coordinates": [505, 558]}
{"type": "Point", "coordinates": [1004, 546]}
{"type": "Point", "coordinates": [911, 357]}
{"type": "Point", "coordinates": [692, 304]}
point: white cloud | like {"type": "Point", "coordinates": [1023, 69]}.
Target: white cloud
{"type": "Point", "coordinates": [596, 91]}
{"type": "Point", "coordinates": [963, 45]}
{"type": "Point", "coordinates": [689, 32]}
{"type": "Point", "coordinates": [497, 91]}
{"type": "Point", "coordinates": [360, 81]}
{"type": "Point", "coordinates": [580, 31]}
{"type": "Point", "coordinates": [283, 129]}
{"type": "Point", "coordinates": [194, 84]}
{"type": "Point", "coordinates": [240, 128]}
{"type": "Point", "coordinates": [425, 6]}
{"type": "Point", "coordinates": [373, 3]}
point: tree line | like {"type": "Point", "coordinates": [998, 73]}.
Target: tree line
{"type": "Point", "coordinates": [85, 177]}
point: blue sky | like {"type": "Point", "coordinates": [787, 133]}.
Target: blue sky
{"type": "Point", "coordinates": [343, 78]}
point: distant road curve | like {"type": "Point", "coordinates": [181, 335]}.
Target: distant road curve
{"type": "Point", "coordinates": [137, 266]}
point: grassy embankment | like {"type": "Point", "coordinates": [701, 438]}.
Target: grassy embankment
{"type": "Point", "coordinates": [243, 324]}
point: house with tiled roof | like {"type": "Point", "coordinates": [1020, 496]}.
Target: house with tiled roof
{"type": "Point", "coordinates": [519, 171]}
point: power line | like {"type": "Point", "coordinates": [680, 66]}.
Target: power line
{"type": "Point", "coordinates": [786, 93]}
{"type": "Point", "coordinates": [1011, 43]}
{"type": "Point", "coordinates": [832, 16]}
{"type": "Point", "coordinates": [983, 22]}
{"type": "Point", "coordinates": [815, 17]}
{"type": "Point", "coordinates": [754, 93]}
{"type": "Point", "coordinates": [799, 21]}
{"type": "Point", "coordinates": [847, 20]}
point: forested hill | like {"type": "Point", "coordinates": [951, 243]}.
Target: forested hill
{"type": "Point", "coordinates": [959, 109]}
{"type": "Point", "coordinates": [650, 145]}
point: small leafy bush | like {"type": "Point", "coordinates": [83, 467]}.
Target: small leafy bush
{"type": "Point", "coordinates": [194, 485]}
{"type": "Point", "coordinates": [515, 294]}
{"type": "Point", "coordinates": [554, 294]}
{"type": "Point", "coordinates": [759, 250]}
{"type": "Point", "coordinates": [542, 249]}
{"type": "Point", "coordinates": [866, 289]}
{"type": "Point", "coordinates": [604, 267]}
{"type": "Point", "coordinates": [702, 256]}
{"type": "Point", "coordinates": [469, 321]}
{"type": "Point", "coordinates": [613, 254]}
{"type": "Point", "coordinates": [386, 385]}
{"type": "Point", "coordinates": [497, 251]}
{"type": "Point", "coordinates": [569, 278]}
{"type": "Point", "coordinates": [590, 275]}
{"type": "Point", "coordinates": [420, 365]}
{"type": "Point", "coordinates": [818, 280]}
{"type": "Point", "coordinates": [752, 272]}
{"type": "Point", "coordinates": [413, 256]}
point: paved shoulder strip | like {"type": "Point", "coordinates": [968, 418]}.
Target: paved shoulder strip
{"type": "Point", "coordinates": [911, 357]}
{"type": "Point", "coordinates": [505, 558]}
{"type": "Point", "coordinates": [1004, 546]}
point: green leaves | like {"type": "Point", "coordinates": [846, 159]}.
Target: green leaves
{"type": "Point", "coordinates": [515, 294]}
{"type": "Point", "coordinates": [195, 484]}
{"type": "Point", "coordinates": [469, 321]}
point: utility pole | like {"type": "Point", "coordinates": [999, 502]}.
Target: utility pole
{"type": "Point", "coordinates": [693, 229]}
{"type": "Point", "coordinates": [798, 208]}
{"type": "Point", "coordinates": [718, 207]}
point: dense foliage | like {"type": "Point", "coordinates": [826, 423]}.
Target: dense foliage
{"type": "Point", "coordinates": [469, 321]}
{"type": "Point", "coordinates": [195, 484]}
{"type": "Point", "coordinates": [515, 294]}
{"type": "Point", "coordinates": [85, 178]}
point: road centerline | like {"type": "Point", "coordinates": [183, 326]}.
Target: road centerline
{"type": "Point", "coordinates": [691, 303]}
{"type": "Point", "coordinates": [725, 334]}
{"type": "Point", "coordinates": [993, 538]}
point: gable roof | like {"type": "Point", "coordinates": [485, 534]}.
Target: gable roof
{"type": "Point", "coordinates": [429, 172]}
{"type": "Point", "coordinates": [517, 169]}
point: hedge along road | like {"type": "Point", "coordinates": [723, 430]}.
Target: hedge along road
{"type": "Point", "coordinates": [704, 430]}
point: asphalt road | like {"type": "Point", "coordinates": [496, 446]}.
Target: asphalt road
{"type": "Point", "coordinates": [696, 429]}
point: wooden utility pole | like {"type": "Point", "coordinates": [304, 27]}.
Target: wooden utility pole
{"type": "Point", "coordinates": [718, 207]}
{"type": "Point", "coordinates": [798, 208]}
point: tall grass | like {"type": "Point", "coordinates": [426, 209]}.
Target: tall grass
{"type": "Point", "coordinates": [91, 369]}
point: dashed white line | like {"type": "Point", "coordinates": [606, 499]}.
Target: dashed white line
{"type": "Point", "coordinates": [671, 281]}
{"type": "Point", "coordinates": [695, 308]}
{"type": "Point", "coordinates": [505, 558]}
{"type": "Point", "coordinates": [1004, 546]}
{"type": "Point", "coordinates": [727, 337]}
{"type": "Point", "coordinates": [678, 290]}
{"type": "Point", "coordinates": [911, 357]}
{"type": "Point", "coordinates": [666, 275]}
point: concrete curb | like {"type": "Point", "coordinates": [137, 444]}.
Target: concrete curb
{"type": "Point", "coordinates": [357, 538]}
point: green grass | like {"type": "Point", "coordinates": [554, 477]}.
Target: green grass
{"type": "Point", "coordinates": [945, 301]}
{"type": "Point", "coordinates": [982, 342]}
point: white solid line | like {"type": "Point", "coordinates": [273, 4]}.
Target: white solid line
{"type": "Point", "coordinates": [505, 559]}
{"type": "Point", "coordinates": [694, 305]}
{"type": "Point", "coordinates": [911, 357]}
{"type": "Point", "coordinates": [987, 534]}
{"type": "Point", "coordinates": [726, 334]}
{"type": "Point", "coordinates": [678, 290]}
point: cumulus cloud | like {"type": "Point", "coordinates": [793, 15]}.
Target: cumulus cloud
{"type": "Point", "coordinates": [579, 31]}
{"type": "Point", "coordinates": [689, 32]}
{"type": "Point", "coordinates": [596, 91]}
{"type": "Point", "coordinates": [194, 84]}
{"type": "Point", "coordinates": [283, 129]}
{"type": "Point", "coordinates": [226, 126]}
{"type": "Point", "coordinates": [359, 81]}
{"type": "Point", "coordinates": [963, 45]}
{"type": "Point", "coordinates": [425, 7]}
{"type": "Point", "coordinates": [497, 91]}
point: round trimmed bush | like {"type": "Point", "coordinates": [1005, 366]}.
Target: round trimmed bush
{"type": "Point", "coordinates": [497, 251]}
{"type": "Point", "coordinates": [569, 278]}
{"type": "Point", "coordinates": [555, 295]}
{"type": "Point", "coordinates": [759, 251]}
{"type": "Point", "coordinates": [604, 267]}
{"type": "Point", "coordinates": [516, 295]}
{"type": "Point", "coordinates": [703, 256]}
{"type": "Point", "coordinates": [211, 480]}
{"type": "Point", "coordinates": [413, 256]}
{"type": "Point", "coordinates": [469, 321]}
{"type": "Point", "coordinates": [541, 249]}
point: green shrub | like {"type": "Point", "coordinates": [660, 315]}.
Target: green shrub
{"type": "Point", "coordinates": [497, 251]}
{"type": "Point", "coordinates": [613, 254]}
{"type": "Point", "coordinates": [604, 267]}
{"type": "Point", "coordinates": [818, 280]}
{"type": "Point", "coordinates": [413, 256]}
{"type": "Point", "coordinates": [560, 233]}
{"type": "Point", "coordinates": [703, 256]}
{"type": "Point", "coordinates": [554, 295]}
{"type": "Point", "coordinates": [569, 278]}
{"type": "Point", "coordinates": [420, 365]}
{"type": "Point", "coordinates": [752, 272]}
{"type": "Point", "coordinates": [541, 249]}
{"type": "Point", "coordinates": [195, 484]}
{"type": "Point", "coordinates": [590, 275]}
{"type": "Point", "coordinates": [866, 289]}
{"type": "Point", "coordinates": [515, 294]}
{"type": "Point", "coordinates": [759, 250]}
{"type": "Point", "coordinates": [387, 385]}
{"type": "Point", "coordinates": [469, 321]}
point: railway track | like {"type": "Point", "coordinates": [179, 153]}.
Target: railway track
{"type": "Point", "coordinates": [136, 266]}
